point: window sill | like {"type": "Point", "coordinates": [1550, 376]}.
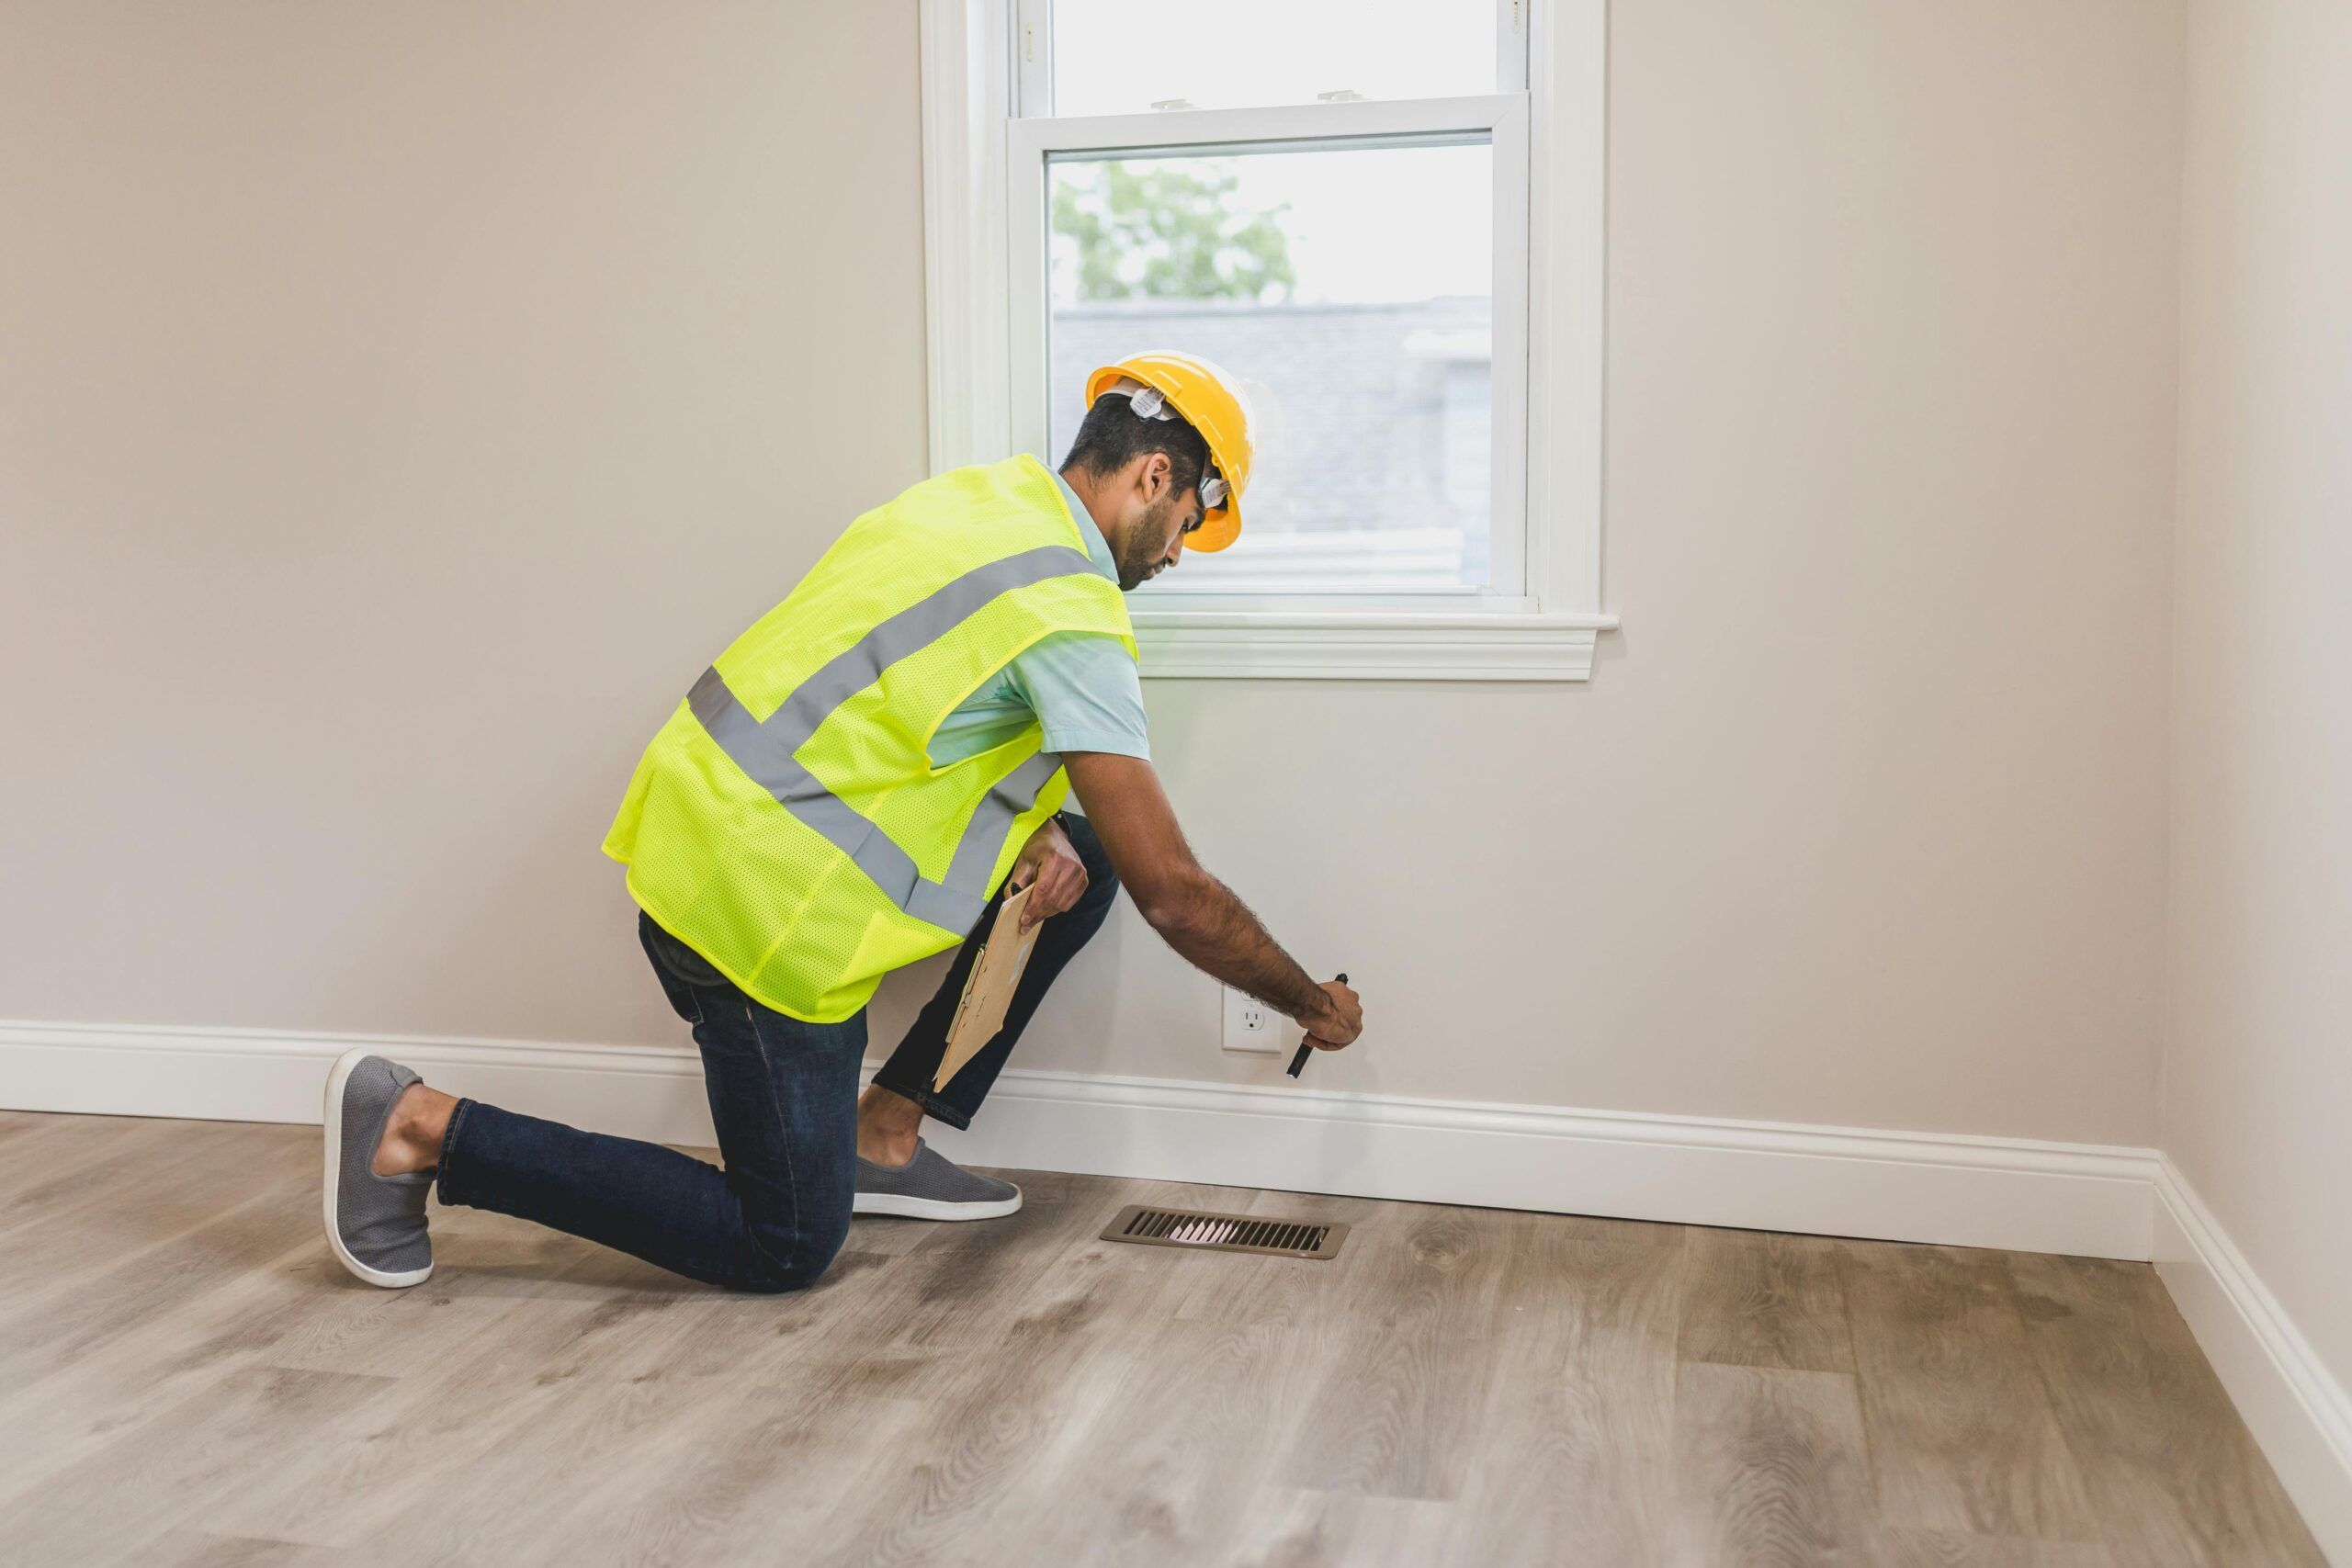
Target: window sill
{"type": "Point", "coordinates": [1275, 645]}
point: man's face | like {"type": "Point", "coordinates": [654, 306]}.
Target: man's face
{"type": "Point", "coordinates": [1155, 535]}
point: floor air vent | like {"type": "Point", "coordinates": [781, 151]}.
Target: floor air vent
{"type": "Point", "coordinates": [1225, 1233]}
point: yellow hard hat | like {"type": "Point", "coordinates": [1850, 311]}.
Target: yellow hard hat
{"type": "Point", "coordinates": [1209, 400]}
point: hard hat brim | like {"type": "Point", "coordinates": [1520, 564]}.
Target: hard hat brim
{"type": "Point", "coordinates": [1218, 529]}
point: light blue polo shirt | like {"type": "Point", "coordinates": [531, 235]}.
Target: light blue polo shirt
{"type": "Point", "coordinates": [1082, 686]}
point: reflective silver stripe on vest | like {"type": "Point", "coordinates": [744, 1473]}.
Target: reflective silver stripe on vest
{"type": "Point", "coordinates": [764, 750]}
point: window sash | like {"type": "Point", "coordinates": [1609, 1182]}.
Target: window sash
{"type": "Point", "coordinates": [1499, 118]}
{"type": "Point", "coordinates": [1032, 56]}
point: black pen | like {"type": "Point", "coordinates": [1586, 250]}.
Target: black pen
{"type": "Point", "coordinates": [1300, 1060]}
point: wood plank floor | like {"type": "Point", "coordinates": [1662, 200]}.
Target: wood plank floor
{"type": "Point", "coordinates": [186, 1377]}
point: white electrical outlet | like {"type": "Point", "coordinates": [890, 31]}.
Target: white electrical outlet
{"type": "Point", "coordinates": [1251, 1024]}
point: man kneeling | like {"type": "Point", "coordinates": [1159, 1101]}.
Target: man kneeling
{"type": "Point", "coordinates": [852, 788]}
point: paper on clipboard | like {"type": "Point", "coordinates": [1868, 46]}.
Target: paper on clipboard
{"type": "Point", "coordinates": [988, 991]}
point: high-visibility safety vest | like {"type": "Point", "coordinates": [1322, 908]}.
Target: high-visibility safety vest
{"type": "Point", "coordinates": [786, 822]}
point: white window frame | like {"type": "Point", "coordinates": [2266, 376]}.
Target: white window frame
{"type": "Point", "coordinates": [985, 272]}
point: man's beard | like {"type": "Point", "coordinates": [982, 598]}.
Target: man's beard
{"type": "Point", "coordinates": [1144, 545]}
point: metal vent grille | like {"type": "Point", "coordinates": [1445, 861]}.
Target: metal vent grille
{"type": "Point", "coordinates": [1205, 1231]}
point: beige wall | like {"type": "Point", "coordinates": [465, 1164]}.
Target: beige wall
{"type": "Point", "coordinates": [398, 404]}
{"type": "Point", "coordinates": [402, 404]}
{"type": "Point", "coordinates": [2257, 1070]}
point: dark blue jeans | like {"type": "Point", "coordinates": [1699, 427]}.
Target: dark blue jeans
{"type": "Point", "coordinates": [783, 1099]}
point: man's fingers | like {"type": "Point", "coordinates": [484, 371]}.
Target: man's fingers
{"type": "Point", "coordinates": [1060, 884]}
{"type": "Point", "coordinates": [1042, 902]}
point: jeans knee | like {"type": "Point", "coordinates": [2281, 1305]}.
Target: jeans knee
{"type": "Point", "coordinates": [1088, 844]}
{"type": "Point", "coordinates": [765, 1273]}
{"type": "Point", "coordinates": [776, 1259]}
{"type": "Point", "coordinates": [1101, 886]}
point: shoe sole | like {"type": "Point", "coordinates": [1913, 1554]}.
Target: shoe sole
{"type": "Point", "coordinates": [908, 1208]}
{"type": "Point", "coordinates": [337, 1078]}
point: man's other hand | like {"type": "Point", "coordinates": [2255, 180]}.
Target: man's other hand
{"type": "Point", "coordinates": [1048, 861]}
{"type": "Point", "coordinates": [1338, 1020]}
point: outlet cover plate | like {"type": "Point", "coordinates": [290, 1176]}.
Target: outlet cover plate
{"type": "Point", "coordinates": [1251, 1024]}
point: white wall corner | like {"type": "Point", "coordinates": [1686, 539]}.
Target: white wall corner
{"type": "Point", "coordinates": [2296, 1409]}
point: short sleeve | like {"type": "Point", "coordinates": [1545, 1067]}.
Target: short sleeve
{"type": "Point", "coordinates": [1083, 688]}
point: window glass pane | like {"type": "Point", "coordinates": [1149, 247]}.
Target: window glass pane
{"type": "Point", "coordinates": [1119, 57]}
{"type": "Point", "coordinates": [1355, 287]}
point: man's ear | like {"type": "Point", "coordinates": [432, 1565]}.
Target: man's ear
{"type": "Point", "coordinates": [1157, 474]}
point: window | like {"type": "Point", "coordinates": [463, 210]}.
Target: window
{"type": "Point", "coordinates": [1384, 216]}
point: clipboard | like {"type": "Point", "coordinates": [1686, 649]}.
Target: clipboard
{"type": "Point", "coordinates": [988, 992]}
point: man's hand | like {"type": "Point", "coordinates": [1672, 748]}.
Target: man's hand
{"type": "Point", "coordinates": [1048, 861]}
{"type": "Point", "coordinates": [1337, 1020]}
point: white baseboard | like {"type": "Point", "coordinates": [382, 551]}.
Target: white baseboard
{"type": "Point", "coordinates": [2296, 1409]}
{"type": "Point", "coordinates": [1761, 1176]}
{"type": "Point", "coordinates": [1971, 1191]}
{"type": "Point", "coordinates": [260, 1075]}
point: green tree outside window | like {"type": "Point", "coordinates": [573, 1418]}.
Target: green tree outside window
{"type": "Point", "coordinates": [1169, 231]}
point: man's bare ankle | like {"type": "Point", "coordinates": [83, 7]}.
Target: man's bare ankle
{"type": "Point", "coordinates": [888, 1125]}
{"type": "Point", "coordinates": [413, 1133]}
{"type": "Point", "coordinates": [879, 1148]}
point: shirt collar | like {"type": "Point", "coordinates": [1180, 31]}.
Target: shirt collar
{"type": "Point", "coordinates": [1098, 549]}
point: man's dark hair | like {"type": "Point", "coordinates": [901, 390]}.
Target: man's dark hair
{"type": "Point", "coordinates": [1113, 436]}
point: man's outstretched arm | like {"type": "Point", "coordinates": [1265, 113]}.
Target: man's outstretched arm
{"type": "Point", "coordinates": [1192, 912]}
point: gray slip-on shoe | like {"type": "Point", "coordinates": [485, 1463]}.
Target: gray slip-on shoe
{"type": "Point", "coordinates": [376, 1223]}
{"type": "Point", "coordinates": [932, 1187]}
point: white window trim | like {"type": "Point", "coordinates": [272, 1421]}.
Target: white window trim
{"type": "Point", "coordinates": [1546, 632]}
